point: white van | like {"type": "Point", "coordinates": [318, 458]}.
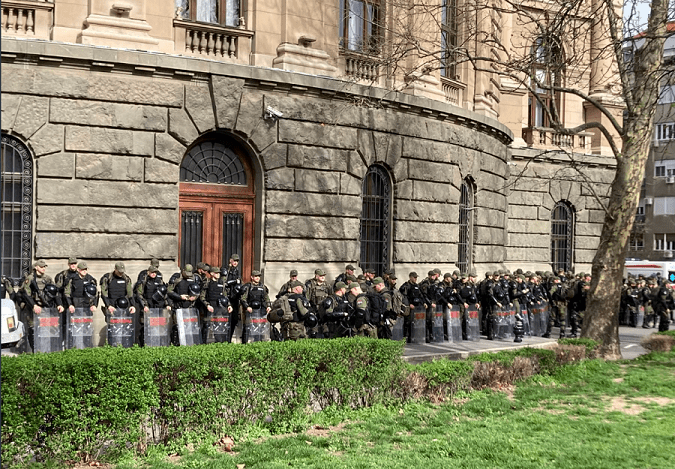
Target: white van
{"type": "Point", "coordinates": [661, 269]}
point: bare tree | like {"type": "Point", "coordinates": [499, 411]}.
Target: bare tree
{"type": "Point", "coordinates": [552, 51]}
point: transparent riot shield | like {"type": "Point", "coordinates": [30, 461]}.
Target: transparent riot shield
{"type": "Point", "coordinates": [79, 328]}
{"type": "Point", "coordinates": [48, 335]}
{"type": "Point", "coordinates": [640, 316]}
{"type": "Point", "coordinates": [187, 320]}
{"type": "Point", "coordinates": [535, 321]}
{"type": "Point", "coordinates": [257, 327]}
{"type": "Point", "coordinates": [454, 323]}
{"type": "Point", "coordinates": [499, 322]}
{"type": "Point", "coordinates": [543, 317]}
{"type": "Point", "coordinates": [510, 321]}
{"type": "Point", "coordinates": [526, 320]}
{"type": "Point", "coordinates": [472, 324]}
{"type": "Point", "coordinates": [418, 333]}
{"type": "Point", "coordinates": [121, 328]}
{"type": "Point", "coordinates": [437, 324]}
{"type": "Point", "coordinates": [157, 327]}
{"type": "Point", "coordinates": [218, 328]}
{"type": "Point", "coordinates": [397, 330]}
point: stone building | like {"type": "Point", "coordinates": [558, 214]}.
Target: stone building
{"type": "Point", "coordinates": [653, 235]}
{"type": "Point", "coordinates": [192, 130]}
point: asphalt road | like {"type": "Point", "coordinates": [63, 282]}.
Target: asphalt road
{"type": "Point", "coordinates": [629, 338]}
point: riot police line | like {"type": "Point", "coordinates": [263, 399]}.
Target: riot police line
{"type": "Point", "coordinates": [206, 305]}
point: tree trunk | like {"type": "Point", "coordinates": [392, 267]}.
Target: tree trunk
{"type": "Point", "coordinates": [601, 321]}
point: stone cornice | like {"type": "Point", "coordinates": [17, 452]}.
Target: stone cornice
{"type": "Point", "coordinates": [161, 65]}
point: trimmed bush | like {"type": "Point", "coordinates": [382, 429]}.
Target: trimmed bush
{"type": "Point", "coordinates": [659, 342]}
{"type": "Point", "coordinates": [80, 405]}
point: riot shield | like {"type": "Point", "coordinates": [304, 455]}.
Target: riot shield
{"type": "Point", "coordinates": [543, 317]}
{"type": "Point", "coordinates": [472, 324]}
{"type": "Point", "coordinates": [80, 329]}
{"type": "Point", "coordinates": [535, 323]}
{"type": "Point", "coordinates": [454, 323]}
{"type": "Point", "coordinates": [257, 327]}
{"type": "Point", "coordinates": [218, 328]}
{"type": "Point", "coordinates": [48, 335]}
{"type": "Point", "coordinates": [640, 316]}
{"type": "Point", "coordinates": [187, 320]}
{"type": "Point", "coordinates": [526, 320]}
{"type": "Point", "coordinates": [157, 327]}
{"type": "Point", "coordinates": [418, 333]}
{"type": "Point", "coordinates": [397, 330]}
{"type": "Point", "coordinates": [499, 322]}
{"type": "Point", "coordinates": [437, 324]}
{"type": "Point", "coordinates": [509, 321]}
{"type": "Point", "coordinates": [121, 328]}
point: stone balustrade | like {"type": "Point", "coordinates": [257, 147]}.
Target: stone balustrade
{"type": "Point", "coordinates": [27, 18]}
{"type": "Point", "coordinates": [212, 41]}
{"type": "Point", "coordinates": [541, 137]}
{"type": "Point", "coordinates": [361, 66]}
{"type": "Point", "coordinates": [453, 91]}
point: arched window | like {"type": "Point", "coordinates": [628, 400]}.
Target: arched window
{"type": "Point", "coordinates": [375, 219]}
{"type": "Point", "coordinates": [212, 162]}
{"type": "Point", "coordinates": [562, 236]}
{"type": "Point", "coordinates": [17, 208]}
{"type": "Point", "coordinates": [465, 245]}
{"type": "Point", "coordinates": [548, 67]}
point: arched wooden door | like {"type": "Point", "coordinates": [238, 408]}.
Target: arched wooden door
{"type": "Point", "coordinates": [216, 201]}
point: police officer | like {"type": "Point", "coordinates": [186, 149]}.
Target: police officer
{"type": "Point", "coordinates": [232, 278]}
{"type": "Point", "coordinates": [349, 270]}
{"type": "Point", "coordinates": [8, 289]}
{"type": "Point", "coordinates": [362, 317]}
{"type": "Point", "coordinates": [286, 287]}
{"type": "Point", "coordinates": [154, 262]}
{"type": "Point", "coordinates": [116, 285]}
{"type": "Point", "coordinates": [78, 291]}
{"type": "Point", "coordinates": [468, 296]}
{"type": "Point", "coordinates": [254, 295]}
{"type": "Point", "coordinates": [185, 292]}
{"type": "Point", "coordinates": [385, 309]}
{"type": "Point", "coordinates": [411, 290]}
{"type": "Point", "coordinates": [32, 290]}
{"type": "Point", "coordinates": [428, 287]}
{"type": "Point", "coordinates": [62, 278]}
{"type": "Point", "coordinates": [558, 295]}
{"type": "Point", "coordinates": [335, 313]}
{"type": "Point", "coordinates": [294, 329]}
{"type": "Point", "coordinates": [317, 291]}
{"type": "Point", "coordinates": [214, 294]}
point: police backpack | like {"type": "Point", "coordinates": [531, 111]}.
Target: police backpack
{"type": "Point", "coordinates": [281, 310]}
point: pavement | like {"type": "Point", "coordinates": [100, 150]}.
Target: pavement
{"type": "Point", "coordinates": [629, 338]}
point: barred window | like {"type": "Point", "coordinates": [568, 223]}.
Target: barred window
{"type": "Point", "coordinates": [465, 245]}
{"type": "Point", "coordinates": [17, 208]}
{"type": "Point", "coordinates": [562, 236]}
{"type": "Point", "coordinates": [375, 219]}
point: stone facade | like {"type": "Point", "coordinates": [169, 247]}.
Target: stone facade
{"type": "Point", "coordinates": [108, 129]}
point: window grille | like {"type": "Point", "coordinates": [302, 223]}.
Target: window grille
{"type": "Point", "coordinates": [212, 162]}
{"type": "Point", "coordinates": [17, 208]}
{"type": "Point", "coordinates": [465, 245]}
{"type": "Point", "coordinates": [562, 236]}
{"type": "Point", "coordinates": [375, 220]}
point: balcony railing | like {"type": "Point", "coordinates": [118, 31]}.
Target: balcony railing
{"type": "Point", "coordinates": [212, 41]}
{"type": "Point", "coordinates": [361, 66]}
{"type": "Point", "coordinates": [453, 91]}
{"type": "Point", "coordinates": [27, 18]}
{"type": "Point", "coordinates": [541, 137]}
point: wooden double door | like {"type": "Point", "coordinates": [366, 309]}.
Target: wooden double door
{"type": "Point", "coordinates": [216, 222]}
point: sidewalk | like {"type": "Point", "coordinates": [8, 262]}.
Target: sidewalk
{"type": "Point", "coordinates": [416, 353]}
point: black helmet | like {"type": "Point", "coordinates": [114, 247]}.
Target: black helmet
{"type": "Point", "coordinates": [90, 290]}
{"type": "Point", "coordinates": [223, 302]}
{"type": "Point", "coordinates": [51, 291]}
{"type": "Point", "coordinates": [122, 302]}
{"type": "Point", "coordinates": [311, 320]}
{"type": "Point", "coordinates": [195, 289]}
{"type": "Point", "coordinates": [160, 294]}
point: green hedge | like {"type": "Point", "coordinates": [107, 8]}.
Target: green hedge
{"type": "Point", "coordinates": [81, 404]}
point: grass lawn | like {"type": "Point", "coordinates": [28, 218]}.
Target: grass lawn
{"type": "Point", "coordinates": [590, 415]}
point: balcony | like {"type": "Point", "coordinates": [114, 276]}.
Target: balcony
{"type": "Point", "coordinates": [24, 18]}
{"type": "Point", "coordinates": [453, 91]}
{"type": "Point", "coordinates": [541, 137]}
{"type": "Point", "coordinates": [212, 41]}
{"type": "Point", "coordinates": [361, 66]}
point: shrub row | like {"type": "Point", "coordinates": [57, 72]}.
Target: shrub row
{"type": "Point", "coordinates": [81, 405]}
